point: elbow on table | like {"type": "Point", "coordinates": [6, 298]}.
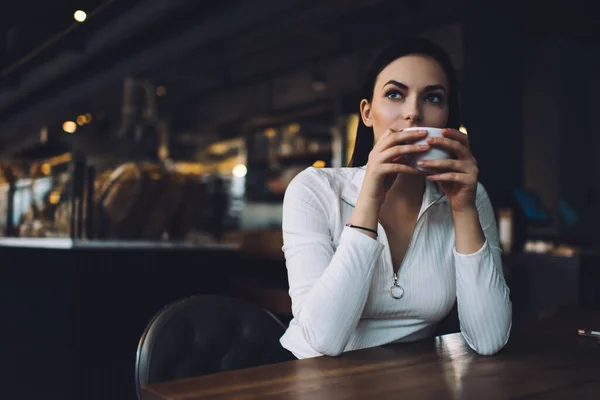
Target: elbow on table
{"type": "Point", "coordinates": [323, 343]}
{"type": "Point", "coordinates": [489, 349]}
{"type": "Point", "coordinates": [327, 349]}
{"type": "Point", "coordinates": [491, 346]}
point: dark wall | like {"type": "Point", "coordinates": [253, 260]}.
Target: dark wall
{"type": "Point", "coordinates": [541, 122]}
{"type": "Point", "coordinates": [559, 132]}
{"type": "Point", "coordinates": [492, 95]}
{"type": "Point", "coordinates": [577, 137]}
{"type": "Point", "coordinates": [595, 170]}
{"type": "Point", "coordinates": [529, 102]}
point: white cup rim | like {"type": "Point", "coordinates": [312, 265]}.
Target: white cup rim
{"type": "Point", "coordinates": [422, 128]}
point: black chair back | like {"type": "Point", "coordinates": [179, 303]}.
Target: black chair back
{"type": "Point", "coordinates": [450, 323]}
{"type": "Point", "coordinates": [205, 334]}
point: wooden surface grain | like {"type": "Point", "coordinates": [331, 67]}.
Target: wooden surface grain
{"type": "Point", "coordinates": [547, 360]}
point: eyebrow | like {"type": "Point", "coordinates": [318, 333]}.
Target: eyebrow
{"type": "Point", "coordinates": [429, 88]}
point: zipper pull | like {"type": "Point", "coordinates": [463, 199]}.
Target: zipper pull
{"type": "Point", "coordinates": [396, 291]}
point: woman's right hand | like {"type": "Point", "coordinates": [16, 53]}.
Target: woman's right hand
{"type": "Point", "coordinates": [387, 159]}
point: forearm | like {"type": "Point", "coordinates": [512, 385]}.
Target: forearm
{"type": "Point", "coordinates": [329, 311]}
{"type": "Point", "coordinates": [484, 306]}
{"type": "Point", "coordinates": [483, 298]}
{"type": "Point", "coordinates": [467, 231]}
{"type": "Point", "coordinates": [329, 282]}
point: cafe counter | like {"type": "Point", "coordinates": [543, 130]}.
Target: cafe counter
{"type": "Point", "coordinates": [73, 311]}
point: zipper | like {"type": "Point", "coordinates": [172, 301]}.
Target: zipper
{"type": "Point", "coordinates": [413, 235]}
{"type": "Point", "coordinates": [410, 244]}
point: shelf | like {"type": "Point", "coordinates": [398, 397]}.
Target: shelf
{"type": "Point", "coordinates": [68, 243]}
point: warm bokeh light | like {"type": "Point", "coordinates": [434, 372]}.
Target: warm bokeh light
{"type": "Point", "coordinates": [44, 134]}
{"type": "Point", "coordinates": [80, 16]}
{"type": "Point", "coordinates": [219, 148]}
{"type": "Point", "coordinates": [294, 128]}
{"type": "Point", "coordinates": [319, 164]}
{"type": "Point", "coordinates": [69, 126]}
{"type": "Point", "coordinates": [163, 152]}
{"type": "Point", "coordinates": [463, 129]}
{"type": "Point", "coordinates": [161, 91]}
{"type": "Point", "coordinates": [84, 119]}
{"type": "Point", "coordinates": [240, 170]}
{"type": "Point", "coordinates": [54, 198]}
{"type": "Point", "coordinates": [270, 132]}
{"type": "Point", "coordinates": [46, 169]}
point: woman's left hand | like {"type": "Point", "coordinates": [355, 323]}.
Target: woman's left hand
{"type": "Point", "coordinates": [457, 177]}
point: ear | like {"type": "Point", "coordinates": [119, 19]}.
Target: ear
{"type": "Point", "coordinates": [365, 113]}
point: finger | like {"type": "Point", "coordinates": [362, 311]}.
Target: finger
{"type": "Point", "coordinates": [392, 138]}
{"type": "Point", "coordinates": [402, 150]}
{"type": "Point", "coordinates": [456, 177]}
{"type": "Point", "coordinates": [451, 145]}
{"type": "Point", "coordinates": [457, 135]}
{"type": "Point", "coordinates": [394, 168]}
{"type": "Point", "coordinates": [464, 166]}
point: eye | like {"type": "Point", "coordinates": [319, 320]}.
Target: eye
{"type": "Point", "coordinates": [393, 94]}
{"type": "Point", "coordinates": [434, 98]}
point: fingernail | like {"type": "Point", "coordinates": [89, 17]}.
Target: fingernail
{"type": "Point", "coordinates": [421, 163]}
{"type": "Point", "coordinates": [424, 146]}
{"type": "Point", "coordinates": [430, 140]}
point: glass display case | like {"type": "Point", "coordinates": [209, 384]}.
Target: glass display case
{"type": "Point", "coordinates": [156, 201]}
{"type": "Point", "coordinates": [96, 193]}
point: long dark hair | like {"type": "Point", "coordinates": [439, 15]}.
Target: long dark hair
{"type": "Point", "coordinates": [408, 46]}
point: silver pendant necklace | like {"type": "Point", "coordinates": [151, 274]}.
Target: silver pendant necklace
{"type": "Point", "coordinates": [396, 291]}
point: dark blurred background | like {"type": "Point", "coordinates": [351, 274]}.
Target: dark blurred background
{"type": "Point", "coordinates": [145, 150]}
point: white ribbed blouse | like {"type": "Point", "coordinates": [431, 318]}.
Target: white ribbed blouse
{"type": "Point", "coordinates": [340, 278]}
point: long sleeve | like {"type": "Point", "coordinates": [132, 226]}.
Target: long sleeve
{"type": "Point", "coordinates": [484, 306]}
{"type": "Point", "coordinates": [328, 286]}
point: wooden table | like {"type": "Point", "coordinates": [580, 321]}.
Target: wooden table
{"type": "Point", "coordinates": [545, 361]}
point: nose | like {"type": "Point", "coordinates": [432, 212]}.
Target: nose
{"type": "Point", "coordinates": [412, 111]}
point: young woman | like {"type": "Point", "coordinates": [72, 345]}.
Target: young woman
{"type": "Point", "coordinates": [378, 253]}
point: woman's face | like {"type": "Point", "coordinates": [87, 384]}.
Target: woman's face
{"type": "Point", "coordinates": [410, 91]}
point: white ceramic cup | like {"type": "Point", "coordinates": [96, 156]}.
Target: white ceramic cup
{"type": "Point", "coordinates": [433, 153]}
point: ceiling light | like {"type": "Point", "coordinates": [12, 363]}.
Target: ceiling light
{"type": "Point", "coordinates": [80, 16]}
{"type": "Point", "coordinates": [69, 126]}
